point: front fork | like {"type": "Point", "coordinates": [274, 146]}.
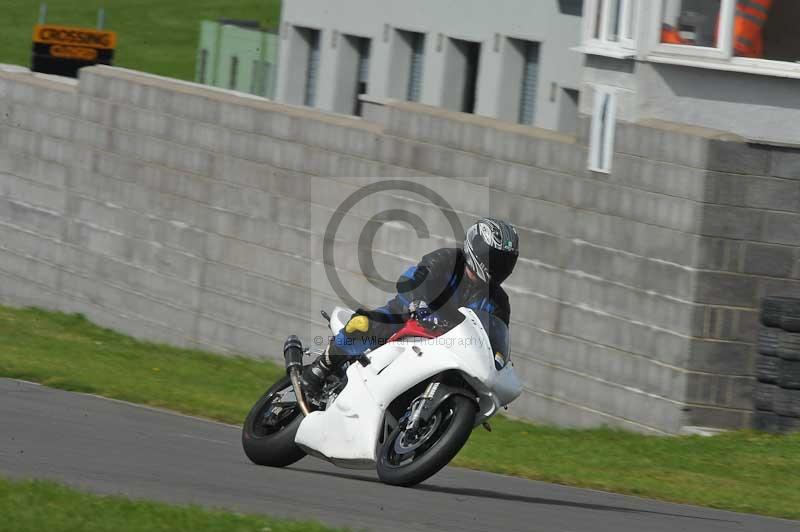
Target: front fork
{"type": "Point", "coordinates": [419, 405]}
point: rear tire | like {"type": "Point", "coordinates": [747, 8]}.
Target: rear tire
{"type": "Point", "coordinates": [272, 446]}
{"type": "Point", "coordinates": [458, 417]}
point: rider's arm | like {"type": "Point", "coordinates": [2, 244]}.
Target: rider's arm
{"type": "Point", "coordinates": [432, 280]}
{"type": "Point", "coordinates": [500, 305]}
{"type": "Point", "coordinates": [426, 281]}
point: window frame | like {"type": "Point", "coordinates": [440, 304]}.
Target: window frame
{"type": "Point", "coordinates": [625, 45]}
{"type": "Point", "coordinates": [720, 58]}
{"type": "Point", "coordinates": [724, 50]}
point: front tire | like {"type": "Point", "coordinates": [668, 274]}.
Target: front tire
{"type": "Point", "coordinates": [267, 436]}
{"type": "Point", "coordinates": [454, 420]}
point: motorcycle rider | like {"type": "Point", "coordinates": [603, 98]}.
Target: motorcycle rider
{"type": "Point", "coordinates": [442, 282]}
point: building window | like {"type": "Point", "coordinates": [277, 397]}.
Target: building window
{"type": "Point", "coordinates": [530, 83]}
{"type": "Point", "coordinates": [519, 92]}
{"type": "Point", "coordinates": [611, 23]}
{"type": "Point", "coordinates": [571, 7]}
{"type": "Point", "coordinates": [568, 111]}
{"type": "Point", "coordinates": [780, 37]}
{"type": "Point", "coordinates": [601, 138]}
{"type": "Point", "coordinates": [312, 67]}
{"type": "Point", "coordinates": [407, 60]}
{"type": "Point", "coordinates": [692, 23]}
{"type": "Point", "coordinates": [417, 45]}
{"type": "Point", "coordinates": [462, 65]}
{"type": "Point", "coordinates": [362, 76]}
{"type": "Point", "coordinates": [753, 36]}
{"type": "Point", "coordinates": [301, 56]}
{"type": "Point", "coordinates": [234, 72]}
{"type": "Point", "coordinates": [753, 29]}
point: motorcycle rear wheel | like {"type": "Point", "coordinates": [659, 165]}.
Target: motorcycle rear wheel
{"type": "Point", "coordinates": [445, 434]}
{"type": "Point", "coordinates": [272, 443]}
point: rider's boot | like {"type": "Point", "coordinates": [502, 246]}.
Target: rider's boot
{"type": "Point", "coordinates": [316, 373]}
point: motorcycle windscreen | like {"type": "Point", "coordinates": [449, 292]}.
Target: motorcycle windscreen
{"type": "Point", "coordinates": [497, 331]}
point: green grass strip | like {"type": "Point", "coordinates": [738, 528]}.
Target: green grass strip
{"type": "Point", "coordinates": [67, 351]}
{"type": "Point", "coordinates": [741, 471]}
{"type": "Point", "coordinates": [36, 506]}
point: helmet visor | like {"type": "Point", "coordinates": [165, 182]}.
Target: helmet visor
{"type": "Point", "coordinates": [498, 263]}
{"type": "Point", "coordinates": [501, 264]}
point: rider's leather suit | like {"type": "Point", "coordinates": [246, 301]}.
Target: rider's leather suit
{"type": "Point", "coordinates": [440, 280]}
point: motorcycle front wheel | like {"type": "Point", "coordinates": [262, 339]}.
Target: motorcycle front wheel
{"type": "Point", "coordinates": [269, 430]}
{"type": "Point", "coordinates": [406, 460]}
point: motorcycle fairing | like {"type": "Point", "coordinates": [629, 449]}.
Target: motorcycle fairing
{"type": "Point", "coordinates": [347, 432]}
{"type": "Point", "coordinates": [338, 433]}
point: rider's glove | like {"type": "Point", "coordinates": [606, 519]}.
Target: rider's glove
{"type": "Point", "coordinates": [420, 311]}
{"type": "Point", "coordinates": [357, 323]}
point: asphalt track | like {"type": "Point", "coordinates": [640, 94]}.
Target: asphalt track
{"type": "Point", "coordinates": [108, 446]}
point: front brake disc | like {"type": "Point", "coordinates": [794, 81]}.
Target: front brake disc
{"type": "Point", "coordinates": [401, 447]}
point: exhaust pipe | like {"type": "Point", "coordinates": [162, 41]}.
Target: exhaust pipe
{"type": "Point", "coordinates": [293, 355]}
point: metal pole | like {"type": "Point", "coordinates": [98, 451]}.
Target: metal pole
{"type": "Point", "coordinates": [101, 18]}
{"type": "Point", "coordinates": [42, 13]}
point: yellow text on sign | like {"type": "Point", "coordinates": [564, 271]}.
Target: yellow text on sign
{"type": "Point", "coordinates": [73, 52]}
{"type": "Point", "coordinates": [67, 35]}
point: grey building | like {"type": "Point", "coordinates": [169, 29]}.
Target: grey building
{"type": "Point", "coordinates": [511, 60]}
{"type": "Point", "coordinates": [682, 61]}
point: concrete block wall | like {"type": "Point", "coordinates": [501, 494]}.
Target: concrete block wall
{"type": "Point", "coordinates": [682, 238]}
{"type": "Point", "coordinates": [197, 216]}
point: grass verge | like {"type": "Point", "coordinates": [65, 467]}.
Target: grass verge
{"type": "Point", "coordinates": [153, 35]}
{"type": "Point", "coordinates": [33, 506]}
{"type": "Point", "coordinates": [66, 351]}
{"type": "Point", "coordinates": [741, 471]}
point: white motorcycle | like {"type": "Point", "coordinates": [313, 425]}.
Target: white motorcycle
{"type": "Point", "coordinates": [406, 407]}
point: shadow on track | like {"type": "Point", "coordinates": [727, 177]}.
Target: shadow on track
{"type": "Point", "coordinates": [497, 495]}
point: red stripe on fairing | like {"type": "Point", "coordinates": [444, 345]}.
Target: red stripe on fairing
{"type": "Point", "coordinates": [412, 328]}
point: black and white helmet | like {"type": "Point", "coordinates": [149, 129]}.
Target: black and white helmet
{"type": "Point", "coordinates": [491, 248]}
